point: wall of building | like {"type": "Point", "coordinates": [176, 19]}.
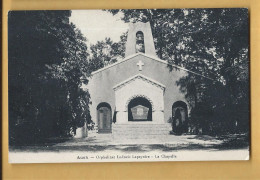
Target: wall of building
{"type": "Point", "coordinates": [101, 84]}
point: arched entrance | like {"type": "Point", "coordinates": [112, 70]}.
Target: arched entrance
{"type": "Point", "coordinates": [139, 109]}
{"type": "Point", "coordinates": [104, 116]}
{"type": "Point", "coordinates": [179, 117]}
{"type": "Point", "coordinates": [139, 86]}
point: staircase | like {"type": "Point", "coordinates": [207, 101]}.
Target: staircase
{"type": "Point", "coordinates": [140, 133]}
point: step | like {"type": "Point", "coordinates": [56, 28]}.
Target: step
{"type": "Point", "coordinates": [136, 131]}
{"type": "Point", "coordinates": [135, 124]}
{"type": "Point", "coordinates": [137, 127]}
{"type": "Point", "coordinates": [141, 125]}
{"type": "Point", "coordinates": [148, 131]}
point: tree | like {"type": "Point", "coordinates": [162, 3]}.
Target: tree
{"type": "Point", "coordinates": [212, 43]}
{"type": "Point", "coordinates": [107, 52]}
{"type": "Point", "coordinates": [47, 66]}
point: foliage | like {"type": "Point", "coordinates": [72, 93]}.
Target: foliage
{"type": "Point", "coordinates": [107, 52]}
{"type": "Point", "coordinates": [47, 65]}
{"type": "Point", "coordinates": [214, 44]}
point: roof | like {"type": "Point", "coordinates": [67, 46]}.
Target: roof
{"type": "Point", "coordinates": [139, 76]}
{"type": "Point", "coordinates": [151, 57]}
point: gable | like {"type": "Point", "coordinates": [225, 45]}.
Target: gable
{"type": "Point", "coordinates": [139, 86]}
{"type": "Point", "coordinates": [151, 58]}
{"type": "Point", "coordinates": [141, 77]}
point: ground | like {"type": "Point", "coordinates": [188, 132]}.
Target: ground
{"type": "Point", "coordinates": [103, 142]}
{"type": "Point", "coordinates": [101, 148]}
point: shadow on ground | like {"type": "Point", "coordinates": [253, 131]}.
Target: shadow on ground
{"type": "Point", "coordinates": [230, 142]}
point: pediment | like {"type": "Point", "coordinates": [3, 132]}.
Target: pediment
{"type": "Point", "coordinates": [152, 58]}
{"type": "Point", "coordinates": [139, 77]}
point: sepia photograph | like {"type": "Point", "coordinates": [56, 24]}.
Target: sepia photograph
{"type": "Point", "coordinates": [128, 85]}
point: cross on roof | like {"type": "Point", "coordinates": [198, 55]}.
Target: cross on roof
{"type": "Point", "coordinates": [140, 64]}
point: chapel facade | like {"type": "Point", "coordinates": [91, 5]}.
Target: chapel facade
{"type": "Point", "coordinates": [138, 91]}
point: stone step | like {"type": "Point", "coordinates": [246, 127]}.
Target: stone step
{"type": "Point", "coordinates": [166, 131]}
{"type": "Point", "coordinates": [141, 124]}
{"type": "Point", "coordinates": [123, 127]}
{"type": "Point", "coordinates": [140, 129]}
{"type": "Point", "coordinates": [141, 135]}
{"type": "Point", "coordinates": [135, 131]}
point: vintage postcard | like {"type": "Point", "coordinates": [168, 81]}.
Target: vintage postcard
{"type": "Point", "coordinates": [128, 85]}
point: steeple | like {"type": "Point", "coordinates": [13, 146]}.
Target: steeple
{"type": "Point", "coordinates": [140, 39]}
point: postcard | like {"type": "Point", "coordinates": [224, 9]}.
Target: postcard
{"type": "Point", "coordinates": [128, 85]}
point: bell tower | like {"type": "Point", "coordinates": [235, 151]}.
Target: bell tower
{"type": "Point", "coordinates": [140, 39]}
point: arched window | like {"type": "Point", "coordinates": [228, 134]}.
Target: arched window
{"type": "Point", "coordinates": [139, 109]}
{"type": "Point", "coordinates": [104, 116]}
{"type": "Point", "coordinates": [139, 47]}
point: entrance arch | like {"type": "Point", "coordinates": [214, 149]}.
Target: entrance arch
{"type": "Point", "coordinates": [139, 109]}
{"type": "Point", "coordinates": [104, 115]}
{"type": "Point", "coordinates": [179, 117]}
{"type": "Point", "coordinates": [139, 86]}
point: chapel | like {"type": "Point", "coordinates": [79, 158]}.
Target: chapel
{"type": "Point", "coordinates": [138, 95]}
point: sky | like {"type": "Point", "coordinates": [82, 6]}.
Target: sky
{"type": "Point", "coordinates": [96, 25]}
